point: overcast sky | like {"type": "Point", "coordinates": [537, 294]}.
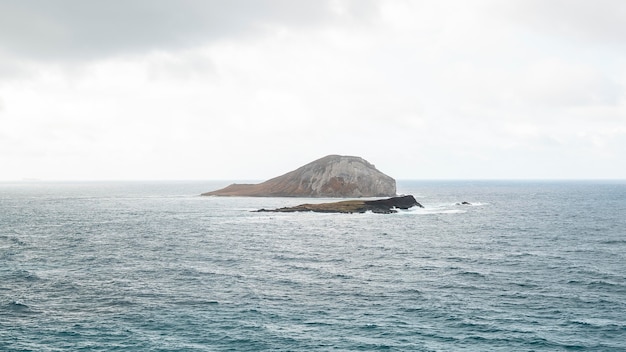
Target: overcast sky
{"type": "Point", "coordinates": [156, 89]}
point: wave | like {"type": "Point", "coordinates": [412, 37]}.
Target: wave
{"type": "Point", "coordinates": [599, 323]}
{"type": "Point", "coordinates": [430, 211]}
{"type": "Point", "coordinates": [470, 204]}
{"type": "Point", "coordinates": [442, 208]}
{"type": "Point", "coordinates": [612, 241]}
{"type": "Point", "coordinates": [21, 275]}
{"type": "Point", "coordinates": [13, 239]}
{"type": "Point", "coordinates": [18, 306]}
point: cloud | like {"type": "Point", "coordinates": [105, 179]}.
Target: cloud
{"type": "Point", "coordinates": [76, 30]}
{"type": "Point", "coordinates": [578, 20]}
{"type": "Point", "coordinates": [199, 89]}
{"type": "Point", "coordinates": [558, 83]}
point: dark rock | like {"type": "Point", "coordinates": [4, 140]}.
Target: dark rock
{"type": "Point", "coordinates": [380, 206]}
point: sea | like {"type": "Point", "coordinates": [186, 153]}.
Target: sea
{"type": "Point", "coordinates": [153, 266]}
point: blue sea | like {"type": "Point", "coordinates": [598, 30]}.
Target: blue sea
{"type": "Point", "coordinates": [152, 266]}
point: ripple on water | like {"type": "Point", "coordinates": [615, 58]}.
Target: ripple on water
{"type": "Point", "coordinates": [106, 271]}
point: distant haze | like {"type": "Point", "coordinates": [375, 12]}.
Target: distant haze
{"type": "Point", "coordinates": [196, 89]}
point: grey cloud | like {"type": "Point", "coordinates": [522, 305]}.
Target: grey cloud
{"type": "Point", "coordinates": [78, 29]}
{"type": "Point", "coordinates": [12, 67]}
{"type": "Point", "coordinates": [599, 21]}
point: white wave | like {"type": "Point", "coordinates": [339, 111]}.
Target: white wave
{"type": "Point", "coordinates": [430, 211]}
{"type": "Point", "coordinates": [469, 204]}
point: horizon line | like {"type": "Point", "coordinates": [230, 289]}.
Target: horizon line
{"type": "Point", "coordinates": [37, 180]}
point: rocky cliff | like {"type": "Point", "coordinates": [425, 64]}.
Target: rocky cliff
{"type": "Point", "coordinates": [330, 176]}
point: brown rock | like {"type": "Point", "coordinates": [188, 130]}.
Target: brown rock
{"type": "Point", "coordinates": [330, 176]}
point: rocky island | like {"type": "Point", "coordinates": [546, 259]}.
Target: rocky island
{"type": "Point", "coordinates": [333, 176]}
{"type": "Point", "coordinates": [380, 206]}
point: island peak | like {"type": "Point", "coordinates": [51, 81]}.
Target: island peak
{"type": "Point", "coordinates": [334, 175]}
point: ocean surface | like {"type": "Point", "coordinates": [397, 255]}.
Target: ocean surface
{"type": "Point", "coordinates": [152, 266]}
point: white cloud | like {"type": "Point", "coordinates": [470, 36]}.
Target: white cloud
{"type": "Point", "coordinates": [558, 83]}
{"type": "Point", "coordinates": [424, 89]}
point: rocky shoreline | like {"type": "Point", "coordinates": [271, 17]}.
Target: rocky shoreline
{"type": "Point", "coordinates": [379, 206]}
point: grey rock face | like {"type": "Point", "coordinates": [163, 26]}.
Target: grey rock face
{"type": "Point", "coordinates": [330, 176]}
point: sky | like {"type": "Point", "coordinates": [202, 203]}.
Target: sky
{"type": "Point", "coordinates": [249, 90]}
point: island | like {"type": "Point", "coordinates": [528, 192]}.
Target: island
{"type": "Point", "coordinates": [333, 176]}
{"type": "Point", "coordinates": [379, 206]}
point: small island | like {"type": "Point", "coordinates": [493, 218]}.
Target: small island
{"type": "Point", "coordinates": [333, 176]}
{"type": "Point", "coordinates": [379, 206]}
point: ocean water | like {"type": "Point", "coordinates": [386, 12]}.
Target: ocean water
{"type": "Point", "coordinates": [529, 266]}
